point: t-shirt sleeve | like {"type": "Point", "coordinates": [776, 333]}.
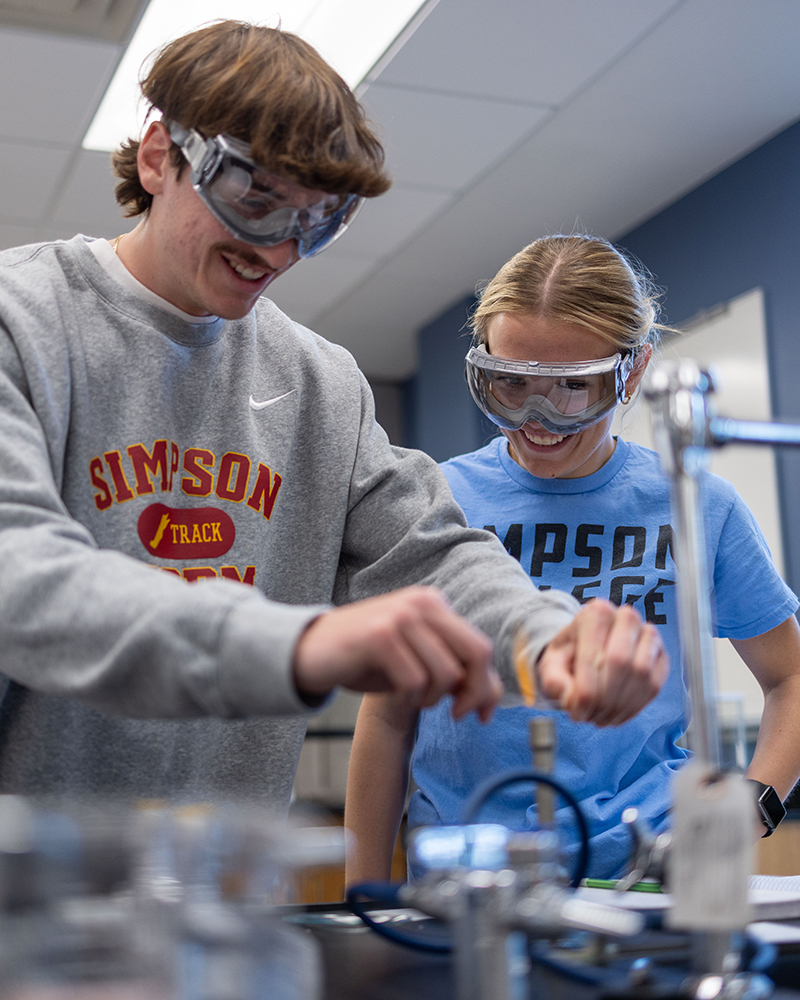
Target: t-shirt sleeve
{"type": "Point", "coordinates": [749, 595]}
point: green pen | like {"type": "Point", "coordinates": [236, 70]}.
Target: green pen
{"type": "Point", "coordinates": [608, 883]}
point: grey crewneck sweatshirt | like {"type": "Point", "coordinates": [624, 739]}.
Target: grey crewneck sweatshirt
{"type": "Point", "coordinates": [132, 461]}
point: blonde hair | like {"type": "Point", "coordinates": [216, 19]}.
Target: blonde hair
{"type": "Point", "coordinates": [582, 280]}
{"type": "Point", "coordinates": [266, 87]}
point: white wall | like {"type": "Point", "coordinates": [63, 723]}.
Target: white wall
{"type": "Point", "coordinates": [731, 340]}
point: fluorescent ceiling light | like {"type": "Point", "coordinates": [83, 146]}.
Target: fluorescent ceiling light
{"type": "Point", "coordinates": [354, 36]}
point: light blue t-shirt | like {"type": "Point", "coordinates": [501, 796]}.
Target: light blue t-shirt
{"type": "Point", "coordinates": [605, 535]}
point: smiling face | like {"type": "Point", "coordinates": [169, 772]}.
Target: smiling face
{"type": "Point", "coordinates": [205, 269]}
{"type": "Point", "coordinates": [185, 255]}
{"type": "Point", "coordinates": [525, 337]}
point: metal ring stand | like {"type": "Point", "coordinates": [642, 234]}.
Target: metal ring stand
{"type": "Point", "coordinates": [686, 427]}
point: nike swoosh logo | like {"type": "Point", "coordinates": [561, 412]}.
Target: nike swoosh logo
{"type": "Point", "coordinates": [268, 402]}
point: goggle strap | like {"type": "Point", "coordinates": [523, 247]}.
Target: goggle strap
{"type": "Point", "coordinates": [177, 132]}
{"type": "Point", "coordinates": [193, 146]}
{"type": "Point", "coordinates": [623, 372]}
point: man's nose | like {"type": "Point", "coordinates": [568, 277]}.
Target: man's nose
{"type": "Point", "coordinates": [281, 256]}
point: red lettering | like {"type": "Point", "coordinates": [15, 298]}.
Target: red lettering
{"type": "Point", "coordinates": [230, 461]}
{"type": "Point", "coordinates": [156, 469]}
{"type": "Point", "coordinates": [265, 491]}
{"type": "Point", "coordinates": [114, 460]}
{"type": "Point", "coordinates": [173, 466]}
{"type": "Point", "coordinates": [146, 464]}
{"type": "Point", "coordinates": [193, 461]}
{"type": "Point", "coordinates": [103, 499]}
{"type": "Point", "coordinates": [194, 573]}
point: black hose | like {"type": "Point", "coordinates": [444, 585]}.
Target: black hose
{"type": "Point", "coordinates": [475, 803]}
{"type": "Point", "coordinates": [386, 892]}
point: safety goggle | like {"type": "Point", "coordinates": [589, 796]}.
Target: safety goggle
{"type": "Point", "coordinates": [255, 205]}
{"type": "Point", "coordinates": [563, 398]}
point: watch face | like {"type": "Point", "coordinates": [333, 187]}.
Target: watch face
{"type": "Point", "coordinates": [769, 805]}
{"type": "Point", "coordinates": [772, 805]}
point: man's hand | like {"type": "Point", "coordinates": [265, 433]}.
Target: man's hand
{"type": "Point", "coordinates": [409, 642]}
{"type": "Point", "coordinates": [605, 666]}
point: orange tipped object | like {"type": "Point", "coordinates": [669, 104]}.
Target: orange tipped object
{"type": "Point", "coordinates": [525, 671]}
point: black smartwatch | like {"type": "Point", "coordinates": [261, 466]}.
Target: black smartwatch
{"type": "Point", "coordinates": [769, 805]}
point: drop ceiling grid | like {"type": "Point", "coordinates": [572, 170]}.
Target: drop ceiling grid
{"type": "Point", "coordinates": [499, 127]}
{"type": "Point", "coordinates": [432, 134]}
{"type": "Point", "coordinates": [382, 225]}
{"type": "Point", "coordinates": [537, 51]}
{"type": "Point", "coordinates": [50, 86]}
{"type": "Point", "coordinates": [30, 178]}
{"type": "Point", "coordinates": [678, 107]}
{"type": "Point", "coordinates": [437, 145]}
{"type": "Point", "coordinates": [444, 140]}
{"type": "Point", "coordinates": [86, 202]}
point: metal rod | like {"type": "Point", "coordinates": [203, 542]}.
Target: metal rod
{"type": "Point", "coordinates": [685, 427]}
{"type": "Point", "coordinates": [724, 430]}
{"type": "Point", "coordinates": [694, 620]}
{"type": "Point", "coordinates": [680, 425]}
{"type": "Point", "coordinates": [542, 735]}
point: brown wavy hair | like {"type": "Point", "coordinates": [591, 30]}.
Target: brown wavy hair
{"type": "Point", "coordinates": [583, 280]}
{"type": "Point", "coordinates": [267, 87]}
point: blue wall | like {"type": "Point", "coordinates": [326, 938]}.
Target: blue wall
{"type": "Point", "coordinates": [440, 417]}
{"type": "Point", "coordinates": [739, 230]}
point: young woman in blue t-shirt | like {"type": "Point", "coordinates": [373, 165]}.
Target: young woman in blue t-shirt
{"type": "Point", "coordinates": [563, 335]}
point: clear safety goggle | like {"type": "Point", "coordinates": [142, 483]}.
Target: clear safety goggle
{"type": "Point", "coordinates": [563, 398]}
{"type": "Point", "coordinates": [257, 206]}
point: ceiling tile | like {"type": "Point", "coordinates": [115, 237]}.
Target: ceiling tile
{"type": "Point", "coordinates": [87, 202]}
{"type": "Point", "coordinates": [445, 141]}
{"type": "Point", "coordinates": [51, 85]}
{"type": "Point", "coordinates": [381, 338]}
{"type": "Point", "coordinates": [30, 178]}
{"type": "Point", "coordinates": [386, 223]}
{"type": "Point", "coordinates": [677, 115]}
{"type": "Point", "coordinates": [112, 20]}
{"type": "Point", "coordinates": [382, 225]}
{"type": "Point", "coordinates": [525, 50]}
{"type": "Point", "coordinates": [698, 93]}
{"type": "Point", "coordinates": [316, 284]}
{"type": "Point", "coordinates": [500, 125]}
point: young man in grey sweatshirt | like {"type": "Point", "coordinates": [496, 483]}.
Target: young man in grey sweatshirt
{"type": "Point", "coordinates": [203, 530]}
